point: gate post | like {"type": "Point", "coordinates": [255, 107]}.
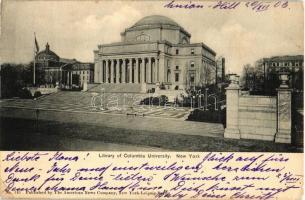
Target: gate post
{"type": "Point", "coordinates": [232, 100]}
{"type": "Point", "coordinates": [283, 134]}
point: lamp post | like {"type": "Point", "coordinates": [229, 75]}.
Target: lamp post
{"type": "Point", "coordinates": [206, 99]}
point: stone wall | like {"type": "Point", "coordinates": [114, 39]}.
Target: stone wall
{"type": "Point", "coordinates": [257, 117]}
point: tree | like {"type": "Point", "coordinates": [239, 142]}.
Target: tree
{"type": "Point", "coordinates": [11, 79]}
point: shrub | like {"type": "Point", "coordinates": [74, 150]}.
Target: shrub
{"type": "Point", "coordinates": [37, 94]}
{"type": "Point", "coordinates": [208, 116]}
{"type": "Point", "coordinates": [162, 100]}
{"type": "Point", "coordinates": [162, 86]}
{"type": "Point", "coordinates": [24, 94]}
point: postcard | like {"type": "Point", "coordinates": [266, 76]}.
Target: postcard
{"type": "Point", "coordinates": [151, 99]}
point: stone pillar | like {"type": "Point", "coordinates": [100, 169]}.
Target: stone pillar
{"type": "Point", "coordinates": [130, 70]}
{"type": "Point", "coordinates": [136, 72]}
{"type": "Point", "coordinates": [67, 76]}
{"type": "Point", "coordinates": [96, 70]}
{"type": "Point", "coordinates": [142, 70]}
{"type": "Point", "coordinates": [101, 67]}
{"type": "Point", "coordinates": [157, 70]}
{"type": "Point", "coordinates": [124, 71]}
{"type": "Point", "coordinates": [152, 70]}
{"type": "Point", "coordinates": [71, 78]}
{"type": "Point", "coordinates": [148, 74]}
{"type": "Point", "coordinates": [112, 71]}
{"type": "Point", "coordinates": [283, 134]}
{"type": "Point", "coordinates": [232, 99]}
{"type": "Point", "coordinates": [162, 69]}
{"type": "Point", "coordinates": [107, 71]}
{"type": "Point", "coordinates": [117, 70]}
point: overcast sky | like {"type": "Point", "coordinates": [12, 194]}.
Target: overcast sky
{"type": "Point", "coordinates": [74, 29]}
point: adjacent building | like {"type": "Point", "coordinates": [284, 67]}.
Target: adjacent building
{"type": "Point", "coordinates": [265, 75]}
{"type": "Point", "coordinates": [63, 72]}
{"type": "Point", "coordinates": [155, 52]}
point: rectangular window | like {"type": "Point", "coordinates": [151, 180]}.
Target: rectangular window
{"type": "Point", "coordinates": [192, 64]}
{"type": "Point", "coordinates": [177, 51]}
{"type": "Point", "coordinates": [177, 77]}
{"type": "Point", "coordinates": [192, 51]}
{"type": "Point", "coordinates": [177, 67]}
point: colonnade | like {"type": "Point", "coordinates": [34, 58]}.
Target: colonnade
{"type": "Point", "coordinates": [128, 70]}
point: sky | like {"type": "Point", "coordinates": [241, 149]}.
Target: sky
{"type": "Point", "coordinates": [74, 29]}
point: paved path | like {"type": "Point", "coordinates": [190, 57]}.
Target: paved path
{"type": "Point", "coordinates": [156, 124]}
{"type": "Point", "coordinates": [60, 102]}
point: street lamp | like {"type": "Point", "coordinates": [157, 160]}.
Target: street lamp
{"type": "Point", "coordinates": [206, 99]}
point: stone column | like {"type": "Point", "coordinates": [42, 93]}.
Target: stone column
{"type": "Point", "coordinates": [232, 99]}
{"type": "Point", "coordinates": [152, 70]}
{"type": "Point", "coordinates": [148, 74]}
{"type": "Point", "coordinates": [112, 71]}
{"type": "Point", "coordinates": [124, 71]}
{"type": "Point", "coordinates": [130, 70]}
{"type": "Point", "coordinates": [96, 70]}
{"type": "Point", "coordinates": [107, 71]}
{"type": "Point", "coordinates": [71, 78]}
{"type": "Point", "coordinates": [136, 72]}
{"type": "Point", "coordinates": [157, 70]}
{"type": "Point", "coordinates": [142, 70]}
{"type": "Point", "coordinates": [283, 134]}
{"type": "Point", "coordinates": [67, 76]}
{"type": "Point", "coordinates": [101, 77]}
{"type": "Point", "coordinates": [117, 70]}
{"type": "Point", "coordinates": [162, 69]}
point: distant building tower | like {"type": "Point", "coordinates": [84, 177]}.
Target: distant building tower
{"type": "Point", "coordinates": [220, 69]}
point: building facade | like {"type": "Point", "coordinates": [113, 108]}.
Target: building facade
{"type": "Point", "coordinates": [269, 68]}
{"type": "Point", "coordinates": [155, 52]}
{"type": "Point", "coordinates": [63, 72]}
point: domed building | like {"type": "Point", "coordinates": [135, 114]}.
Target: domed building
{"type": "Point", "coordinates": [47, 55]}
{"type": "Point", "coordinates": [67, 73]}
{"type": "Point", "coordinates": [156, 52]}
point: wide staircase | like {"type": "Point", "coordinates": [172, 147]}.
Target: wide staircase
{"type": "Point", "coordinates": [115, 88]}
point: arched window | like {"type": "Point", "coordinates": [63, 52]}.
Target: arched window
{"type": "Point", "coordinates": [143, 37]}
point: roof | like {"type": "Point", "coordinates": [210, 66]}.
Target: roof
{"type": "Point", "coordinates": [48, 54]}
{"type": "Point", "coordinates": [156, 19]}
{"type": "Point", "coordinates": [66, 60]}
{"type": "Point", "coordinates": [78, 66]}
{"type": "Point", "coordinates": [285, 58]}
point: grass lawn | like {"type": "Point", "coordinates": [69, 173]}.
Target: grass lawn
{"type": "Point", "coordinates": [22, 134]}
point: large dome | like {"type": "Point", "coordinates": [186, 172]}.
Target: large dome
{"type": "Point", "coordinates": [156, 20]}
{"type": "Point", "coordinates": [156, 28]}
{"type": "Point", "coordinates": [47, 54]}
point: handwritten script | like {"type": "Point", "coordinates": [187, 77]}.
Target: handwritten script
{"type": "Point", "coordinates": [256, 6]}
{"type": "Point", "coordinates": [155, 175]}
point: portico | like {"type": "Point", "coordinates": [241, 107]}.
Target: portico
{"type": "Point", "coordinates": [128, 70]}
